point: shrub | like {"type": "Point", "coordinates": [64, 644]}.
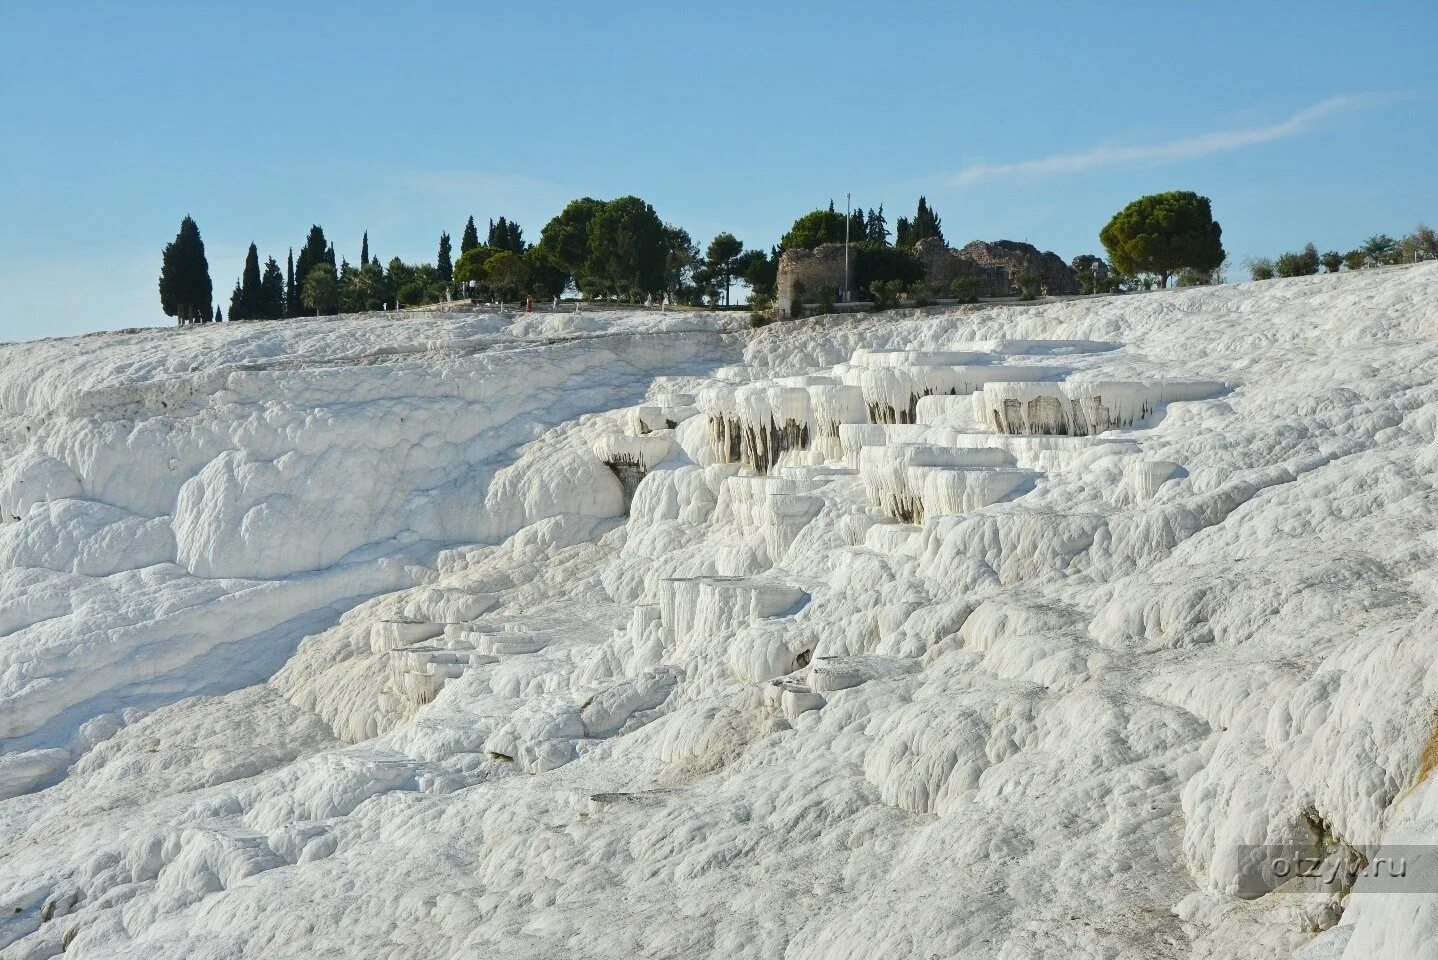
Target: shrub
{"type": "Point", "coordinates": [885, 293]}
{"type": "Point", "coordinates": [1331, 261]}
{"type": "Point", "coordinates": [1425, 239]}
{"type": "Point", "coordinates": [923, 294]}
{"type": "Point", "coordinates": [965, 289]}
{"type": "Point", "coordinates": [876, 261]}
{"type": "Point", "coordinates": [1289, 265]}
{"type": "Point", "coordinates": [1355, 259]}
{"type": "Point", "coordinates": [1028, 285]}
{"type": "Point", "coordinates": [826, 298]}
{"type": "Point", "coordinates": [1260, 268]}
{"type": "Point", "coordinates": [1189, 277]}
{"type": "Point", "coordinates": [1380, 249]}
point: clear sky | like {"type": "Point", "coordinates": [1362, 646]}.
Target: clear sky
{"type": "Point", "coordinates": [1019, 120]}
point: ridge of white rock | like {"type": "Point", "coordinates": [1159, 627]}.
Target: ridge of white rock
{"type": "Point", "coordinates": [1024, 631]}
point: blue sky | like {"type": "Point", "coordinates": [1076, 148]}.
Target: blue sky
{"type": "Point", "coordinates": [1019, 120]}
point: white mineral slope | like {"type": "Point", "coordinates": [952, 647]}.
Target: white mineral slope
{"type": "Point", "coordinates": [340, 638]}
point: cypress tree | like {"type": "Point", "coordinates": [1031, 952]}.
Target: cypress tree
{"type": "Point", "coordinates": [292, 302]}
{"type": "Point", "coordinates": [185, 289]}
{"type": "Point", "coordinates": [314, 252]}
{"type": "Point", "coordinates": [903, 231]}
{"type": "Point", "coordinates": [506, 235]}
{"type": "Point", "coordinates": [470, 238]}
{"type": "Point", "coordinates": [444, 265]}
{"type": "Point", "coordinates": [875, 227]}
{"type": "Point", "coordinates": [364, 250]}
{"type": "Point", "coordinates": [237, 299]}
{"type": "Point", "coordinates": [252, 296]}
{"type": "Point", "coordinates": [219, 315]}
{"type": "Point", "coordinates": [272, 291]}
{"type": "Point", "coordinates": [856, 224]}
{"type": "Point", "coordinates": [926, 223]}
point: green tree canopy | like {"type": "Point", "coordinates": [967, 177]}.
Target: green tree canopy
{"type": "Point", "coordinates": [314, 252]}
{"type": "Point", "coordinates": [628, 247]}
{"type": "Point", "coordinates": [272, 292]}
{"type": "Point", "coordinates": [814, 228]}
{"type": "Point", "coordinates": [292, 292]}
{"type": "Point", "coordinates": [471, 264]}
{"type": "Point", "coordinates": [363, 288]}
{"type": "Point", "coordinates": [760, 271]}
{"type": "Point", "coordinates": [876, 228]}
{"type": "Point", "coordinates": [469, 239]}
{"type": "Point", "coordinates": [1379, 249]}
{"type": "Point", "coordinates": [251, 302]}
{"type": "Point", "coordinates": [876, 262]}
{"type": "Point", "coordinates": [185, 289]}
{"type": "Point", "coordinates": [506, 235]}
{"type": "Point", "coordinates": [720, 257]}
{"type": "Point", "coordinates": [443, 265]}
{"type": "Point", "coordinates": [320, 289]}
{"type": "Point", "coordinates": [565, 238]}
{"type": "Point", "coordinates": [1162, 234]}
{"type": "Point", "coordinates": [926, 224]}
{"type": "Point", "coordinates": [508, 274]}
{"type": "Point", "coordinates": [546, 279]}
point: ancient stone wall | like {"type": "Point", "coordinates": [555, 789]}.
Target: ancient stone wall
{"type": "Point", "coordinates": [995, 265]}
{"type": "Point", "coordinates": [943, 265]}
{"type": "Point", "coordinates": [814, 269]}
{"type": "Point", "coordinates": [1055, 277]}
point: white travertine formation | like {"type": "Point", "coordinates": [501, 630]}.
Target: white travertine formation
{"type": "Point", "coordinates": [895, 477]}
{"type": "Point", "coordinates": [334, 637]}
{"type": "Point", "coordinates": [1077, 409]}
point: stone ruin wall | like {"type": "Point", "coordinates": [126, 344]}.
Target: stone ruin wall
{"type": "Point", "coordinates": [1055, 277]}
{"type": "Point", "coordinates": [995, 264]}
{"type": "Point", "coordinates": [823, 265]}
{"type": "Point", "coordinates": [943, 265]}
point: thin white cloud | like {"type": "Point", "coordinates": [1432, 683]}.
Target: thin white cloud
{"type": "Point", "coordinates": [1185, 148]}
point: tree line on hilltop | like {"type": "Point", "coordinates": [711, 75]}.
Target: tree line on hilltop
{"type": "Point", "coordinates": [617, 250]}
{"type": "Point", "coordinates": [621, 250]}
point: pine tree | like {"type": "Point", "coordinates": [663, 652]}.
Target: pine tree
{"type": "Point", "coordinates": [292, 294]}
{"type": "Point", "coordinates": [444, 265]}
{"type": "Point", "coordinates": [364, 250]}
{"type": "Point", "coordinates": [237, 310]}
{"type": "Point", "coordinates": [219, 315]}
{"type": "Point", "coordinates": [185, 289]}
{"type": "Point", "coordinates": [902, 232]}
{"type": "Point", "coordinates": [272, 291]}
{"type": "Point", "coordinates": [470, 238]}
